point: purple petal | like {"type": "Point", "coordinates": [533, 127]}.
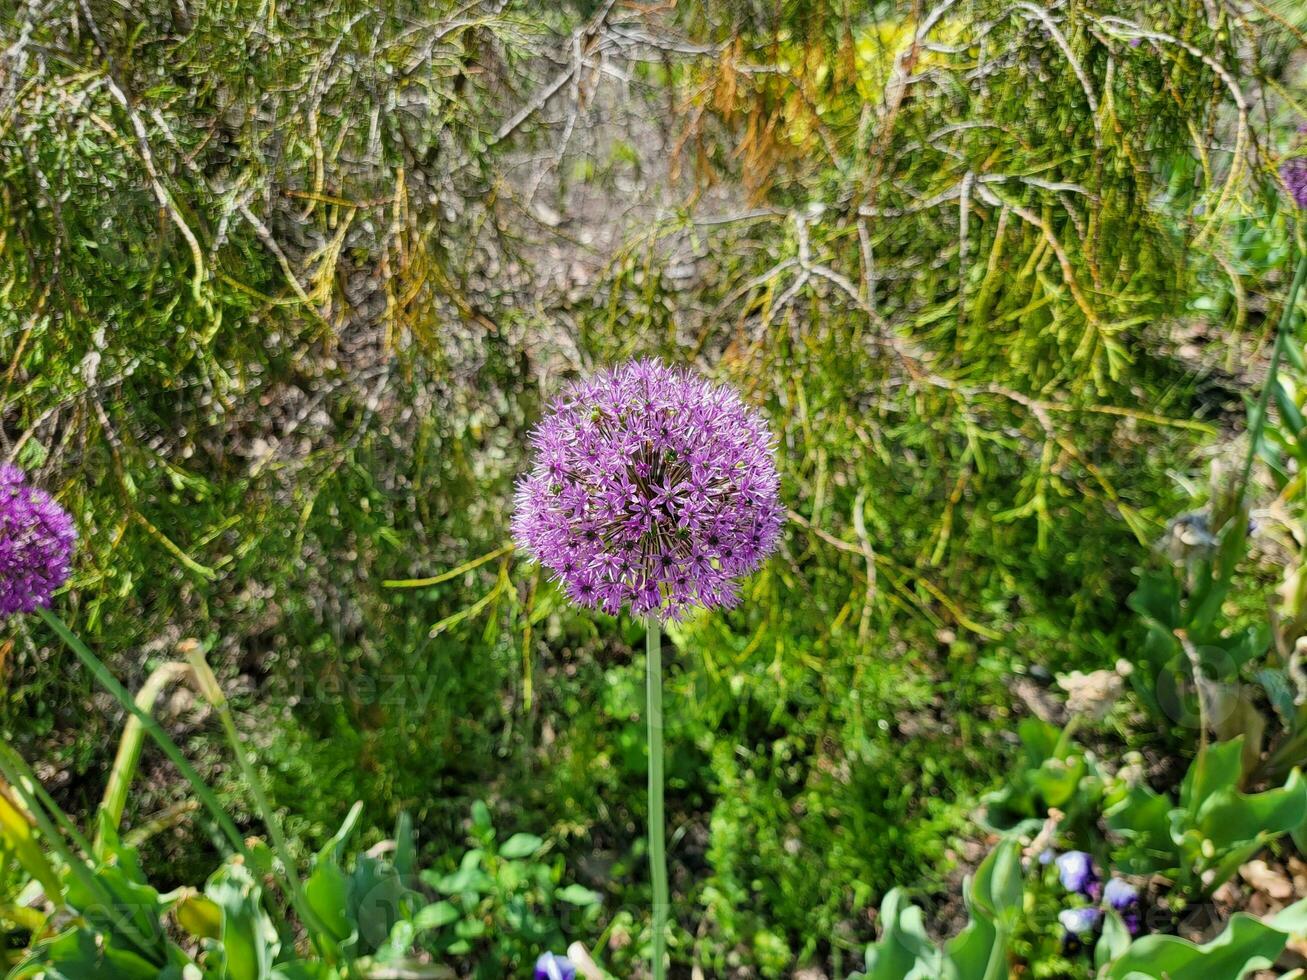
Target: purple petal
{"type": "Point", "coordinates": [551, 967]}
{"type": "Point", "coordinates": [1075, 869]}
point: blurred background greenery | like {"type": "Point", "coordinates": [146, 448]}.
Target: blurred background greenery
{"type": "Point", "coordinates": [284, 286]}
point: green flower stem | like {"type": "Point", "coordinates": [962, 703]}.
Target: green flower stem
{"type": "Point", "coordinates": [1277, 351]}
{"type": "Point", "coordinates": [214, 694]}
{"type": "Point", "coordinates": [129, 747]}
{"type": "Point", "coordinates": [657, 831]}
{"type": "Point", "coordinates": [106, 680]}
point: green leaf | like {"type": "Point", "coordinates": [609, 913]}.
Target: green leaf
{"type": "Point", "coordinates": [1058, 779]}
{"type": "Point", "coordinates": [469, 878]}
{"type": "Point", "coordinates": [521, 846]}
{"type": "Point", "coordinates": [1228, 817]}
{"type": "Point", "coordinates": [327, 891]}
{"type": "Point", "coordinates": [578, 895]}
{"type": "Point", "coordinates": [80, 954]}
{"type": "Point", "coordinates": [405, 844]}
{"type": "Point", "coordinates": [16, 833]}
{"type": "Point", "coordinates": [998, 887]}
{"type": "Point", "coordinates": [248, 937]}
{"type": "Point", "coordinates": [378, 898]}
{"type": "Point", "coordinates": [435, 915]}
{"type": "Point", "coordinates": [482, 826]}
{"type": "Point", "coordinates": [1217, 767]}
{"type": "Point", "coordinates": [904, 948]}
{"type": "Point", "coordinates": [1113, 941]}
{"type": "Point", "coordinates": [1245, 945]}
{"type": "Point", "coordinates": [1290, 415]}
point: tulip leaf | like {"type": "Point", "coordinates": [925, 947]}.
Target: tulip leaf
{"type": "Point", "coordinates": [1245, 945]}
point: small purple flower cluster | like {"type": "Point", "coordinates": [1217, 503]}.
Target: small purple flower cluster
{"type": "Point", "coordinates": [1294, 174]}
{"type": "Point", "coordinates": [551, 967]}
{"type": "Point", "coordinates": [1076, 872]}
{"type": "Point", "coordinates": [36, 544]}
{"type": "Point", "coordinates": [651, 489]}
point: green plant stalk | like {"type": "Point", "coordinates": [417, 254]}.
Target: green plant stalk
{"type": "Point", "coordinates": [1277, 352]}
{"type": "Point", "coordinates": [213, 693]}
{"type": "Point", "coordinates": [129, 747]}
{"type": "Point", "coordinates": [657, 830]}
{"type": "Point", "coordinates": [106, 680]}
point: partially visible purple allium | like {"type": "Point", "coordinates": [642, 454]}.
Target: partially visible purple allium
{"type": "Point", "coordinates": [36, 544]}
{"type": "Point", "coordinates": [551, 967]}
{"type": "Point", "coordinates": [1075, 869]}
{"type": "Point", "coordinates": [652, 489]}
{"type": "Point", "coordinates": [1294, 174]}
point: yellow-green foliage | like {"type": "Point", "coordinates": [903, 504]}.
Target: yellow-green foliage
{"type": "Point", "coordinates": [277, 309]}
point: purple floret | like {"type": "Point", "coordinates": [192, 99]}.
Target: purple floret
{"type": "Point", "coordinates": [1075, 869]}
{"type": "Point", "coordinates": [1294, 174]}
{"type": "Point", "coordinates": [651, 489]}
{"type": "Point", "coordinates": [1120, 894]}
{"type": "Point", "coordinates": [1080, 922]}
{"type": "Point", "coordinates": [551, 967]}
{"type": "Point", "coordinates": [36, 544]}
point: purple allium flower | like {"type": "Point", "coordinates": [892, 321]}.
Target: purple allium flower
{"type": "Point", "coordinates": [1075, 869]}
{"type": "Point", "coordinates": [1294, 174]}
{"type": "Point", "coordinates": [551, 967]}
{"type": "Point", "coordinates": [36, 544]}
{"type": "Point", "coordinates": [651, 488]}
{"type": "Point", "coordinates": [1079, 922]}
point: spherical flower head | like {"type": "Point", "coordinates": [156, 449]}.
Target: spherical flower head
{"type": "Point", "coordinates": [551, 967]}
{"type": "Point", "coordinates": [650, 489]}
{"type": "Point", "coordinates": [36, 544]}
{"type": "Point", "coordinates": [1294, 174]}
{"type": "Point", "coordinates": [1075, 869]}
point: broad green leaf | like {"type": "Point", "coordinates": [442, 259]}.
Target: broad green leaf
{"type": "Point", "coordinates": [378, 898]}
{"type": "Point", "coordinates": [977, 950]}
{"type": "Point", "coordinates": [1113, 941]}
{"type": "Point", "coordinates": [998, 887]}
{"type": "Point", "coordinates": [198, 915]}
{"type": "Point", "coordinates": [248, 937]}
{"type": "Point", "coordinates": [1217, 767]}
{"type": "Point", "coordinates": [1058, 779]}
{"type": "Point", "coordinates": [80, 954]}
{"type": "Point", "coordinates": [1245, 945]}
{"type": "Point", "coordinates": [1228, 817]}
{"type": "Point", "coordinates": [903, 948]}
{"type": "Point", "coordinates": [327, 891]}
{"type": "Point", "coordinates": [1144, 817]}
